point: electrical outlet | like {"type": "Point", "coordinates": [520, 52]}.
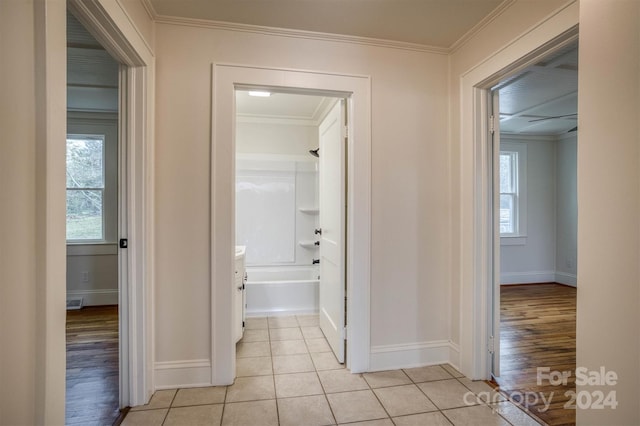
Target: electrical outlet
{"type": "Point", "coordinates": [569, 263]}
{"type": "Point", "coordinates": [84, 276]}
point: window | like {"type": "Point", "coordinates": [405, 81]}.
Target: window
{"type": "Point", "coordinates": [508, 192]}
{"type": "Point", "coordinates": [85, 187]}
{"type": "Point", "coordinates": [512, 220]}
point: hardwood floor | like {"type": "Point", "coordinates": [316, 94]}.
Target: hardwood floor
{"type": "Point", "coordinates": [92, 366]}
{"type": "Point", "coordinates": [538, 329]}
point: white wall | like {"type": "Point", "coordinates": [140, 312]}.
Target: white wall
{"type": "Point", "coordinates": [609, 203]}
{"type": "Point", "coordinates": [254, 137]}
{"type": "Point", "coordinates": [567, 209]}
{"type": "Point", "coordinates": [533, 259]}
{"type": "Point", "coordinates": [410, 240]}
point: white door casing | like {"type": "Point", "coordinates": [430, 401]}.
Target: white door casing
{"type": "Point", "coordinates": [332, 187]}
{"type": "Point", "coordinates": [494, 127]}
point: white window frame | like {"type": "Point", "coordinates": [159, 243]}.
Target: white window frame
{"type": "Point", "coordinates": [103, 139]}
{"type": "Point", "coordinates": [82, 124]}
{"type": "Point", "coordinates": [518, 237]}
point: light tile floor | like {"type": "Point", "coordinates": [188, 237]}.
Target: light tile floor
{"type": "Point", "coordinates": [287, 375]}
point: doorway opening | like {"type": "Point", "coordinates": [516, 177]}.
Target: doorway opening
{"type": "Point", "coordinates": [290, 211]}
{"type": "Point", "coordinates": [92, 230]}
{"type": "Point", "coordinates": [110, 26]}
{"type": "Point", "coordinates": [534, 204]}
{"type": "Point", "coordinates": [226, 80]}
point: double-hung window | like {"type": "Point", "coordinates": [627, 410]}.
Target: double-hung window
{"type": "Point", "coordinates": [512, 209]}
{"type": "Point", "coordinates": [85, 187]}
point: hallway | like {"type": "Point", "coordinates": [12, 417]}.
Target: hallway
{"type": "Point", "coordinates": [287, 375]}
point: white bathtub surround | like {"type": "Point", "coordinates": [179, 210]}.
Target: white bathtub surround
{"type": "Point", "coordinates": [276, 208]}
{"type": "Point", "coordinates": [276, 215]}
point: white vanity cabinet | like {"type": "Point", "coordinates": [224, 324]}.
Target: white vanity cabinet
{"type": "Point", "coordinates": [239, 293]}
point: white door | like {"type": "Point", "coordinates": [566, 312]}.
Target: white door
{"type": "Point", "coordinates": [494, 161]}
{"type": "Point", "coordinates": [332, 184]}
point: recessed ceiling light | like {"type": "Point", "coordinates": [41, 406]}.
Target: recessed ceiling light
{"type": "Point", "coordinates": [259, 93]}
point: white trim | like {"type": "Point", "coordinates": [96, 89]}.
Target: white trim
{"type": "Point", "coordinates": [476, 274]}
{"type": "Point", "coordinates": [286, 32]}
{"type": "Point", "coordinates": [566, 279]}
{"type": "Point", "coordinates": [528, 277]}
{"type": "Point", "coordinates": [224, 79]}
{"type": "Point", "coordinates": [182, 374]}
{"type": "Point", "coordinates": [110, 24]}
{"type": "Point", "coordinates": [95, 297]}
{"type": "Point", "coordinates": [394, 357]}
{"type": "Point", "coordinates": [47, 212]}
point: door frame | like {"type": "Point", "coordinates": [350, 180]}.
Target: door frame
{"type": "Point", "coordinates": [477, 272]}
{"type": "Point", "coordinates": [109, 23]}
{"type": "Point", "coordinates": [225, 79]}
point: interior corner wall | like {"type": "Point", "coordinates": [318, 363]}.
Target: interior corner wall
{"type": "Point", "coordinates": [567, 209]}
{"type": "Point", "coordinates": [608, 311]}
{"type": "Point", "coordinates": [410, 207]}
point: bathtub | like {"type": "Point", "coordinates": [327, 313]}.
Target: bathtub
{"type": "Point", "coordinates": [282, 290]}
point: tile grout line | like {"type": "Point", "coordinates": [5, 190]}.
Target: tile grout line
{"type": "Point", "coordinates": [315, 370]}
{"type": "Point", "coordinates": [273, 373]}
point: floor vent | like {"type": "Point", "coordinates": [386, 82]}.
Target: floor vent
{"type": "Point", "coordinates": [75, 303]}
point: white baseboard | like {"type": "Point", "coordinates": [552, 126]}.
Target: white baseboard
{"type": "Point", "coordinates": [95, 297]}
{"type": "Point", "coordinates": [567, 279]}
{"type": "Point", "coordinates": [393, 357]}
{"type": "Point", "coordinates": [181, 374]}
{"type": "Point", "coordinates": [535, 277]}
{"type": "Point", "coordinates": [530, 277]}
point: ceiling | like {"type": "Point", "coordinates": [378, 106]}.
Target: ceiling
{"type": "Point", "coordinates": [92, 74]}
{"type": "Point", "coordinates": [436, 23]}
{"type": "Point", "coordinates": [530, 100]}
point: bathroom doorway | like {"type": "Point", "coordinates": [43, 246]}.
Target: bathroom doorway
{"type": "Point", "coordinates": [290, 209]}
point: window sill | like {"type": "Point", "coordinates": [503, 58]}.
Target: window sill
{"type": "Point", "coordinates": [92, 249]}
{"type": "Point", "coordinates": [520, 240]}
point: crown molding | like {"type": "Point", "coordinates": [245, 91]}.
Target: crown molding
{"type": "Point", "coordinates": [495, 13]}
{"type": "Point", "coordinates": [285, 32]}
{"type": "Point", "coordinates": [151, 11]}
